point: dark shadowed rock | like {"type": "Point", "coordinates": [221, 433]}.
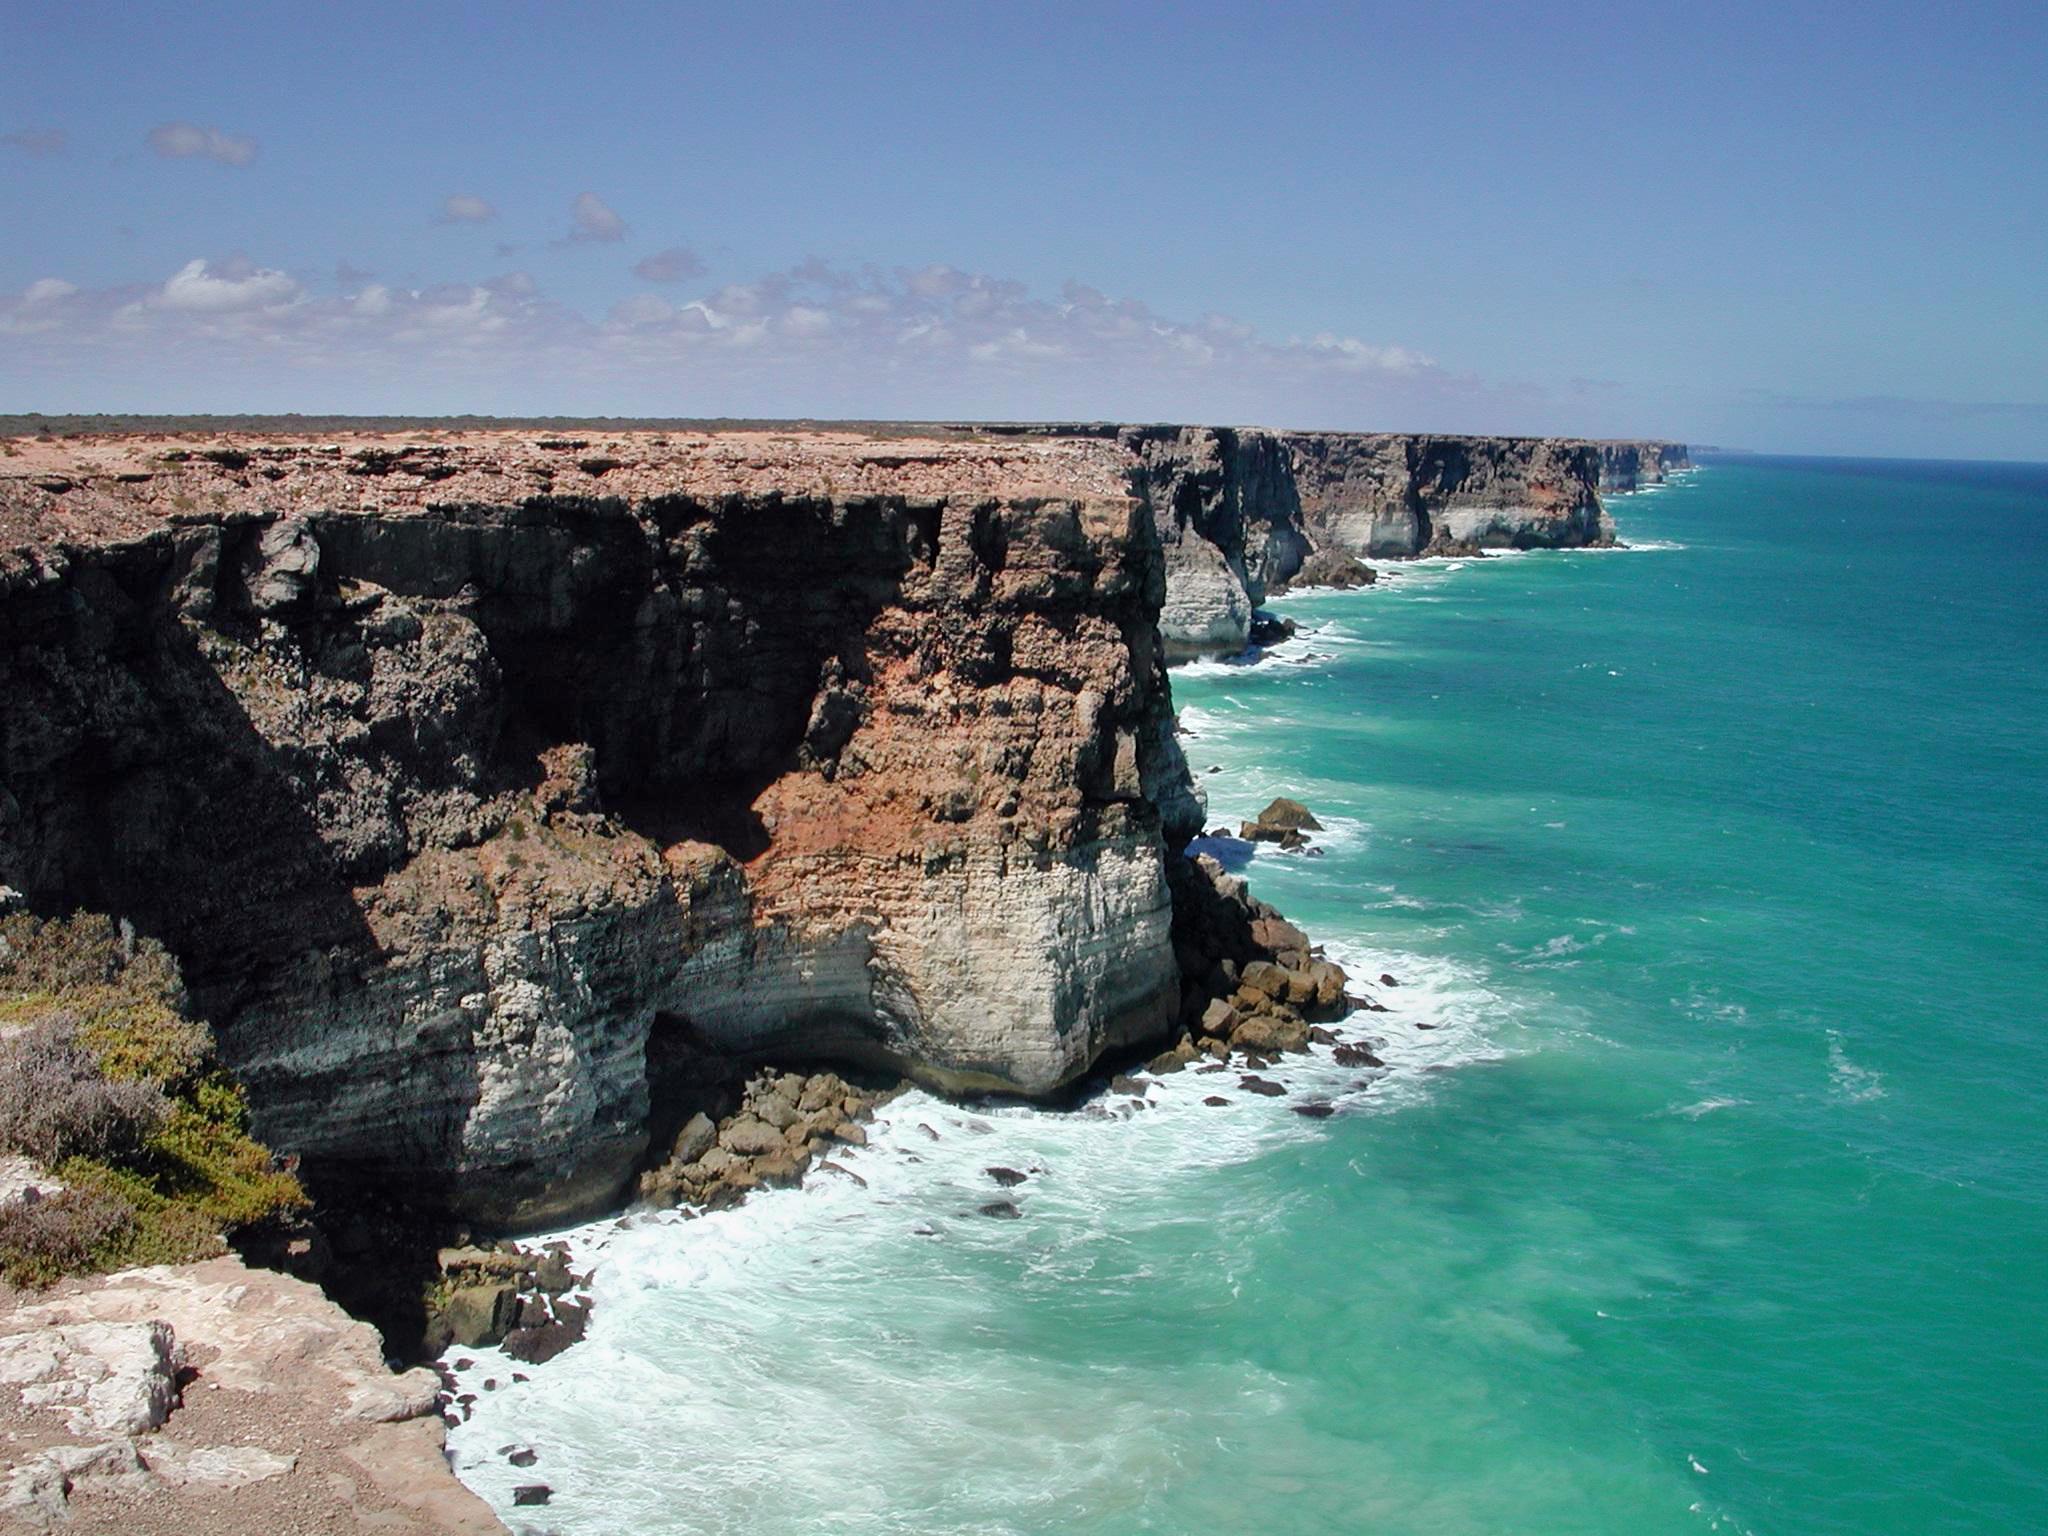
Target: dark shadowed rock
{"type": "Point", "coordinates": [1009, 1178]}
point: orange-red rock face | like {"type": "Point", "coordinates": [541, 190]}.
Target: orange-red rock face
{"type": "Point", "coordinates": [454, 767]}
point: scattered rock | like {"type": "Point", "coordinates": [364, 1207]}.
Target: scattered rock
{"type": "Point", "coordinates": [520, 1455]}
{"type": "Point", "coordinates": [695, 1139]}
{"type": "Point", "coordinates": [1215, 1099]}
{"type": "Point", "coordinates": [1327, 568]}
{"type": "Point", "coordinates": [1009, 1178]}
{"type": "Point", "coordinates": [1264, 1087]}
{"type": "Point", "coordinates": [1279, 819]}
{"type": "Point", "coordinates": [1316, 1109]}
{"type": "Point", "coordinates": [527, 1494]}
{"type": "Point", "coordinates": [1355, 1056]}
{"type": "Point", "coordinates": [1003, 1210]}
{"type": "Point", "coordinates": [1388, 981]}
{"type": "Point", "coordinates": [1267, 629]}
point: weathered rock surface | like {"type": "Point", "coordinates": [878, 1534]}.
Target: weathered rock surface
{"type": "Point", "coordinates": [782, 1123]}
{"type": "Point", "coordinates": [1631, 466]}
{"type": "Point", "coordinates": [1243, 514]}
{"type": "Point", "coordinates": [455, 771]}
{"type": "Point", "coordinates": [215, 1397]}
{"type": "Point", "coordinates": [1331, 568]}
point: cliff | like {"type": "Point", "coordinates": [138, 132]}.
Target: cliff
{"type": "Point", "coordinates": [459, 769]}
{"type": "Point", "coordinates": [1240, 510]}
{"type": "Point", "coordinates": [1626, 466]}
{"type": "Point", "coordinates": [1229, 519]}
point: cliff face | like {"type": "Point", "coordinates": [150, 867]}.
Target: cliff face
{"type": "Point", "coordinates": [458, 770]}
{"type": "Point", "coordinates": [1238, 510]}
{"type": "Point", "coordinates": [1228, 516]}
{"type": "Point", "coordinates": [1630, 466]}
{"type": "Point", "coordinates": [1399, 495]}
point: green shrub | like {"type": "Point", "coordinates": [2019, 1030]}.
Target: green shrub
{"type": "Point", "coordinates": [42, 1240]}
{"type": "Point", "coordinates": [107, 1081]}
{"type": "Point", "coordinates": [56, 1101]}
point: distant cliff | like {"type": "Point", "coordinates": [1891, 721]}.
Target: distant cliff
{"type": "Point", "coordinates": [1631, 466]}
{"type": "Point", "coordinates": [1240, 510]}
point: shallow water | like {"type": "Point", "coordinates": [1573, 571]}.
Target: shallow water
{"type": "Point", "coordinates": [1716, 1199]}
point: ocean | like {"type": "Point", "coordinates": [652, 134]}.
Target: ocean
{"type": "Point", "coordinates": [1706, 1189]}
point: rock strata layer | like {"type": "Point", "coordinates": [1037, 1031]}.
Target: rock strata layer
{"type": "Point", "coordinates": [1244, 513]}
{"type": "Point", "coordinates": [461, 772]}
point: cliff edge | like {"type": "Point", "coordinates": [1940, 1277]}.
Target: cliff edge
{"type": "Point", "coordinates": [456, 768]}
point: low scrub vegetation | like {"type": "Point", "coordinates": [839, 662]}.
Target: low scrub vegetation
{"type": "Point", "coordinates": [110, 1085]}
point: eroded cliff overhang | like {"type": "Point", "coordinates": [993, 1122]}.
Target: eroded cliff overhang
{"type": "Point", "coordinates": [449, 765]}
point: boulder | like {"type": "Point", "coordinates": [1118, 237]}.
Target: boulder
{"type": "Point", "coordinates": [1265, 978]}
{"type": "Point", "coordinates": [1264, 1087]}
{"type": "Point", "coordinates": [1267, 629]}
{"type": "Point", "coordinates": [694, 1139]}
{"type": "Point", "coordinates": [1009, 1178]}
{"type": "Point", "coordinates": [542, 1341]}
{"type": "Point", "coordinates": [1219, 1019]}
{"type": "Point", "coordinates": [475, 1316]}
{"type": "Point", "coordinates": [776, 1110]}
{"type": "Point", "coordinates": [746, 1136]}
{"type": "Point", "coordinates": [1285, 815]}
{"type": "Point", "coordinates": [1327, 568]}
{"type": "Point", "coordinates": [1276, 933]}
{"type": "Point", "coordinates": [1270, 1036]}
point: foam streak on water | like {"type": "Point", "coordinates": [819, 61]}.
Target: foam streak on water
{"type": "Point", "coordinates": [805, 1361]}
{"type": "Point", "coordinates": [1715, 1201]}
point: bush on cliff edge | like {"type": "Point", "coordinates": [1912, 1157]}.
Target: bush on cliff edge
{"type": "Point", "coordinates": [109, 1083]}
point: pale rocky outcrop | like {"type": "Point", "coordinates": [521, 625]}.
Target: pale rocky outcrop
{"type": "Point", "coordinates": [215, 1397]}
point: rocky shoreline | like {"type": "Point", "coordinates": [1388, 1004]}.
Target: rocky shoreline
{"type": "Point", "coordinates": [544, 823]}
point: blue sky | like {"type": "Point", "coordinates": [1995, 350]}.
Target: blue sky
{"type": "Point", "coordinates": [1785, 228]}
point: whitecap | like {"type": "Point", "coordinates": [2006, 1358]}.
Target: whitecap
{"type": "Point", "coordinates": [1856, 1084]}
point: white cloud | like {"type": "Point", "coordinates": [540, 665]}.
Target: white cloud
{"type": "Point", "coordinates": [929, 342]}
{"type": "Point", "coordinates": [198, 289]}
{"type": "Point", "coordinates": [36, 141]}
{"type": "Point", "coordinates": [593, 220]}
{"type": "Point", "coordinates": [188, 141]}
{"type": "Point", "coordinates": [462, 208]}
{"type": "Point", "coordinates": [673, 265]}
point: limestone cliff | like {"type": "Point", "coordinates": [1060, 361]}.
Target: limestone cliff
{"type": "Point", "coordinates": [1229, 520]}
{"type": "Point", "coordinates": [1629, 466]}
{"type": "Point", "coordinates": [1239, 510]}
{"type": "Point", "coordinates": [458, 768]}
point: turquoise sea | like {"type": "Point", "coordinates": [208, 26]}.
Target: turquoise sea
{"type": "Point", "coordinates": [1708, 1188]}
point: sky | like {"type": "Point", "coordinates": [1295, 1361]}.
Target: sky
{"type": "Point", "coordinates": [1786, 228]}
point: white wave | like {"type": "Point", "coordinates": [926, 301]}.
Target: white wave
{"type": "Point", "coordinates": [779, 1356]}
{"type": "Point", "coordinates": [1703, 1107]}
{"type": "Point", "coordinates": [1857, 1084]}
